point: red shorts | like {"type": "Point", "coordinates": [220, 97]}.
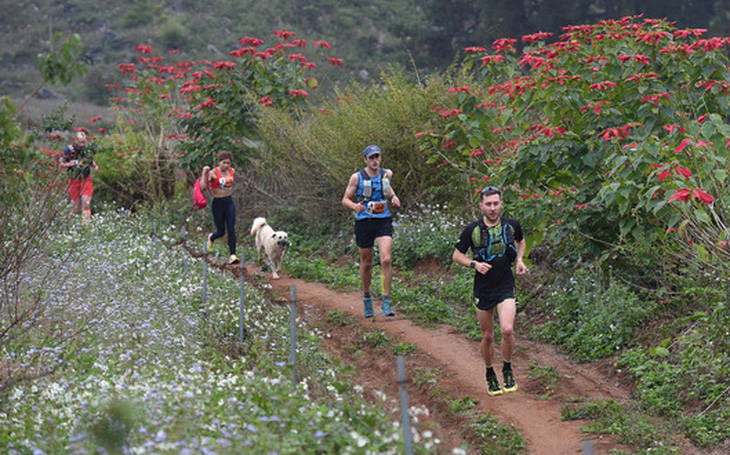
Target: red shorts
{"type": "Point", "coordinates": [77, 188]}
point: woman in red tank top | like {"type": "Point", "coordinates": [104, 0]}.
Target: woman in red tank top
{"type": "Point", "coordinates": [220, 181]}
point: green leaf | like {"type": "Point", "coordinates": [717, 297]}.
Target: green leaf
{"type": "Point", "coordinates": [659, 351]}
{"type": "Point", "coordinates": [702, 253]}
{"type": "Point", "coordinates": [702, 216]}
{"type": "Point", "coordinates": [707, 70]}
{"type": "Point", "coordinates": [720, 175]}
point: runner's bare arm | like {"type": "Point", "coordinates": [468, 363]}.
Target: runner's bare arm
{"type": "Point", "coordinates": [520, 267]}
{"type": "Point", "coordinates": [204, 178]}
{"type": "Point", "coordinates": [347, 199]}
{"type": "Point", "coordinates": [393, 198]}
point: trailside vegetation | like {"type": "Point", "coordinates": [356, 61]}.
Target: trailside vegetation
{"type": "Point", "coordinates": [609, 140]}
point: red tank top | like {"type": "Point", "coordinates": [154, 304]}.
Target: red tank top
{"type": "Point", "coordinates": [220, 182]}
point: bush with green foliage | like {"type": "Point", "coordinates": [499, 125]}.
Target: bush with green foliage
{"type": "Point", "coordinates": [659, 383]}
{"type": "Point", "coordinates": [143, 362]}
{"type": "Point", "coordinates": [616, 133]}
{"type": "Point", "coordinates": [425, 231]}
{"type": "Point", "coordinates": [11, 135]}
{"type": "Point", "coordinates": [633, 428]}
{"type": "Point", "coordinates": [324, 142]}
{"type": "Point", "coordinates": [593, 319]}
{"type": "Point", "coordinates": [685, 377]}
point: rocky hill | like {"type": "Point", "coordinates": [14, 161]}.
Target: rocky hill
{"type": "Point", "coordinates": [369, 36]}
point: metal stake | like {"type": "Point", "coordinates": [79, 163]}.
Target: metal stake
{"type": "Point", "coordinates": [205, 271]}
{"type": "Point", "coordinates": [242, 307]}
{"type": "Point", "coordinates": [405, 415]}
{"type": "Point", "coordinates": [293, 333]}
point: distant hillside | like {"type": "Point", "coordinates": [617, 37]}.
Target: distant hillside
{"type": "Point", "coordinates": [369, 36]}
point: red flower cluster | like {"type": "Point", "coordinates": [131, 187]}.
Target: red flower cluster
{"type": "Point", "coordinates": [686, 194]}
{"type": "Point", "coordinates": [284, 34]}
{"type": "Point", "coordinates": [335, 61]}
{"type": "Point", "coordinates": [539, 36]}
{"type": "Point", "coordinates": [460, 89]}
{"type": "Point", "coordinates": [504, 44]}
{"type": "Point", "coordinates": [297, 93]}
{"type": "Point", "coordinates": [127, 68]}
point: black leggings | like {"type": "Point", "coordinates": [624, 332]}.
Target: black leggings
{"type": "Point", "coordinates": [224, 216]}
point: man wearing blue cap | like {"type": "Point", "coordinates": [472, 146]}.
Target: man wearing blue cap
{"type": "Point", "coordinates": [367, 193]}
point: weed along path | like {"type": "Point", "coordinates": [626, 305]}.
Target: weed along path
{"type": "Point", "coordinates": [537, 418]}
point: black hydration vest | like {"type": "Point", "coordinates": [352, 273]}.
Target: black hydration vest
{"type": "Point", "coordinates": [489, 245]}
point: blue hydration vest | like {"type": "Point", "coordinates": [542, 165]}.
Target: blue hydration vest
{"type": "Point", "coordinates": [370, 193]}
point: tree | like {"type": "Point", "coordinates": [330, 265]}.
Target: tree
{"type": "Point", "coordinates": [178, 114]}
{"type": "Point", "coordinates": [61, 64]}
{"type": "Point", "coordinates": [616, 131]}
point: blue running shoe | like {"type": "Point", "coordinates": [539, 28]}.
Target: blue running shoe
{"type": "Point", "coordinates": [368, 304]}
{"type": "Point", "coordinates": [386, 309]}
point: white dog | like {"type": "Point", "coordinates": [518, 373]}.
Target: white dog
{"type": "Point", "coordinates": [274, 243]}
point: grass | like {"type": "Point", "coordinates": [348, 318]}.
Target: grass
{"type": "Point", "coordinates": [404, 349]}
{"type": "Point", "coordinates": [547, 376]}
{"type": "Point", "coordinates": [592, 318]}
{"type": "Point", "coordinates": [340, 318]}
{"type": "Point", "coordinates": [156, 369]}
{"type": "Point", "coordinates": [634, 428]}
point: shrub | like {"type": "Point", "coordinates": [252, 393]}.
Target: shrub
{"type": "Point", "coordinates": [593, 320]}
{"type": "Point", "coordinates": [708, 428]}
{"type": "Point", "coordinates": [658, 383]}
{"type": "Point", "coordinates": [325, 144]}
{"type": "Point", "coordinates": [425, 231]}
{"type": "Point", "coordinates": [634, 152]}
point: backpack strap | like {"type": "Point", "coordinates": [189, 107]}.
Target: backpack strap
{"type": "Point", "coordinates": [477, 234]}
{"type": "Point", "coordinates": [367, 184]}
{"type": "Point", "coordinates": [73, 152]}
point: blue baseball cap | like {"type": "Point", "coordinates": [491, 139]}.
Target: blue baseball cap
{"type": "Point", "coordinates": [371, 150]}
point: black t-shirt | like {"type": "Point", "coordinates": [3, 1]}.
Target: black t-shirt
{"type": "Point", "coordinates": [83, 169]}
{"type": "Point", "coordinates": [499, 277]}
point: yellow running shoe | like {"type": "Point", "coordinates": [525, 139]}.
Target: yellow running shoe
{"type": "Point", "coordinates": [509, 381]}
{"type": "Point", "coordinates": [493, 387]}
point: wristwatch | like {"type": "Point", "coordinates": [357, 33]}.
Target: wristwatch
{"type": "Point", "coordinates": [472, 264]}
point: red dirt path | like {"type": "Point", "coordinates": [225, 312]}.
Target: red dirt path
{"type": "Point", "coordinates": [538, 420]}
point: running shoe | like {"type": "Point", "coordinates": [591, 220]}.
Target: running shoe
{"type": "Point", "coordinates": [386, 309]}
{"type": "Point", "coordinates": [233, 259]}
{"type": "Point", "coordinates": [368, 307]}
{"type": "Point", "coordinates": [210, 242]}
{"type": "Point", "coordinates": [509, 381]}
{"type": "Point", "coordinates": [493, 387]}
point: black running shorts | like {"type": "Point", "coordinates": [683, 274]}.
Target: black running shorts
{"type": "Point", "coordinates": [367, 230]}
{"type": "Point", "coordinates": [486, 303]}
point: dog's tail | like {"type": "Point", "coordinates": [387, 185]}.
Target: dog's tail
{"type": "Point", "coordinates": [258, 223]}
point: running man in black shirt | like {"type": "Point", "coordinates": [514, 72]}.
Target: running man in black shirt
{"type": "Point", "coordinates": [496, 242]}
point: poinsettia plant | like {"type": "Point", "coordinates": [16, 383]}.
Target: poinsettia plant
{"type": "Point", "coordinates": [617, 131]}
{"type": "Point", "coordinates": [192, 110]}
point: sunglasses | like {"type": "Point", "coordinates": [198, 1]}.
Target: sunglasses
{"type": "Point", "coordinates": [489, 190]}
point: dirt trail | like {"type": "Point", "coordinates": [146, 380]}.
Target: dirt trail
{"type": "Point", "coordinates": [537, 419]}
